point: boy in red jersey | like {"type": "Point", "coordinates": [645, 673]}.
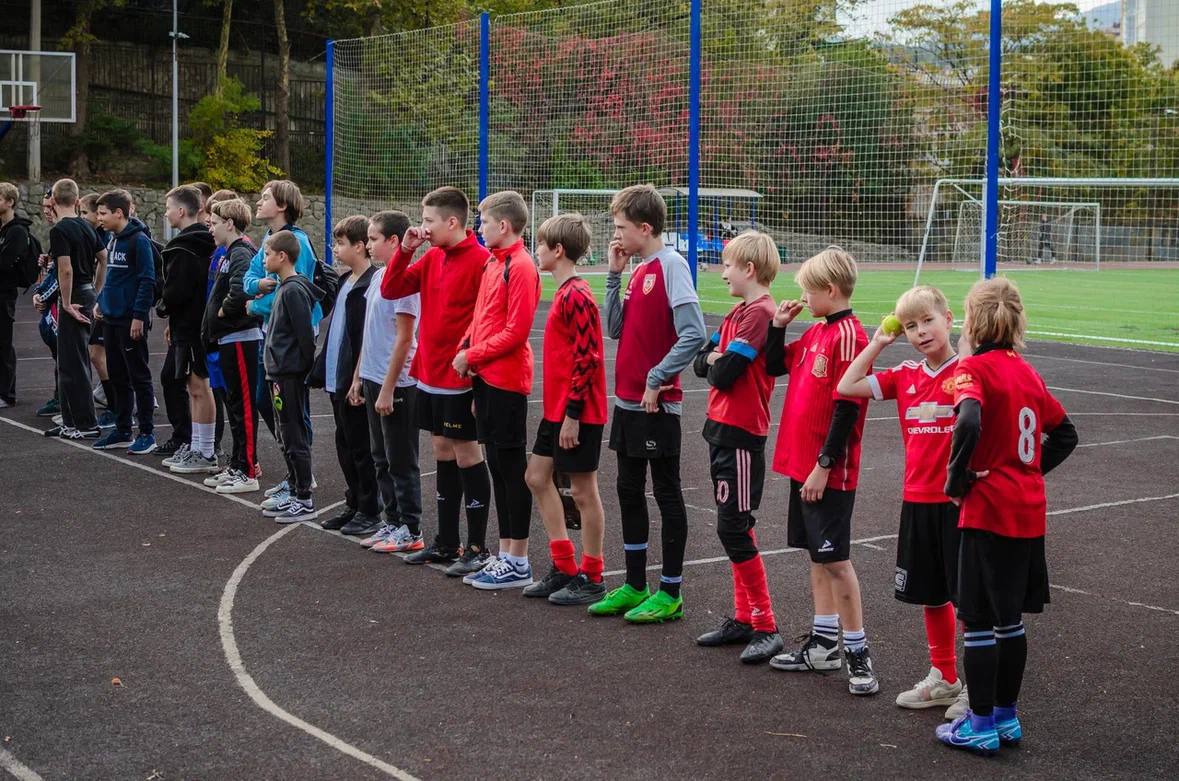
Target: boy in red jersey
{"type": "Point", "coordinates": [927, 545]}
{"type": "Point", "coordinates": [998, 460]}
{"type": "Point", "coordinates": [570, 434]}
{"type": "Point", "coordinates": [447, 277]}
{"type": "Point", "coordinates": [818, 448]}
{"type": "Point", "coordinates": [497, 355]}
{"type": "Point", "coordinates": [659, 328]}
{"type": "Point", "coordinates": [738, 422]}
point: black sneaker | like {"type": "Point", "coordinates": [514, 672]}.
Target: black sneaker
{"type": "Point", "coordinates": [861, 678]}
{"type": "Point", "coordinates": [435, 554]}
{"type": "Point", "coordinates": [579, 591]}
{"type": "Point", "coordinates": [816, 653]}
{"type": "Point", "coordinates": [762, 647]}
{"type": "Point", "coordinates": [169, 448]}
{"type": "Point", "coordinates": [53, 432]}
{"type": "Point", "coordinates": [472, 560]}
{"type": "Point", "coordinates": [81, 433]}
{"type": "Point", "coordinates": [731, 632]}
{"type": "Point", "coordinates": [549, 584]}
{"type": "Point", "coordinates": [339, 520]}
{"type": "Point", "coordinates": [360, 526]}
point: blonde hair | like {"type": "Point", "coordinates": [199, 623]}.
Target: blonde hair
{"type": "Point", "coordinates": [506, 205]}
{"type": "Point", "coordinates": [920, 300]}
{"type": "Point", "coordinates": [832, 266]}
{"type": "Point", "coordinates": [234, 210]}
{"type": "Point", "coordinates": [756, 248]}
{"type": "Point", "coordinates": [569, 231]}
{"type": "Point", "coordinates": [641, 203]}
{"type": "Point", "coordinates": [9, 192]}
{"type": "Point", "coordinates": [65, 192]}
{"type": "Point", "coordinates": [994, 313]}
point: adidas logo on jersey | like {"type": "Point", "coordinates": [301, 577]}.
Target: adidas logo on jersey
{"type": "Point", "coordinates": [912, 389]}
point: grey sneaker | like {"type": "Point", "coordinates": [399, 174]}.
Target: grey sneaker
{"type": "Point", "coordinates": [283, 487]}
{"type": "Point", "coordinates": [238, 483]}
{"type": "Point", "coordinates": [181, 452]}
{"type": "Point", "coordinates": [296, 511]}
{"type": "Point", "coordinates": [579, 591]}
{"type": "Point", "coordinates": [219, 478]}
{"type": "Point", "coordinates": [470, 561]}
{"type": "Point", "coordinates": [194, 463]}
{"type": "Point", "coordinates": [276, 500]}
{"type": "Point", "coordinates": [960, 707]}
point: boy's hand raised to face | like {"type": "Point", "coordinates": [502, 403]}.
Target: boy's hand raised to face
{"type": "Point", "coordinates": [414, 238]}
{"type": "Point", "coordinates": [787, 311]}
{"type": "Point", "coordinates": [617, 257]}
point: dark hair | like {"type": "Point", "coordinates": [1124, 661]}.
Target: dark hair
{"type": "Point", "coordinates": [568, 230]}
{"type": "Point", "coordinates": [116, 200]}
{"type": "Point", "coordinates": [285, 241]}
{"type": "Point", "coordinates": [204, 189]}
{"type": "Point", "coordinates": [220, 195]}
{"type": "Point", "coordinates": [188, 197]}
{"type": "Point", "coordinates": [641, 203]}
{"type": "Point", "coordinates": [353, 228]}
{"type": "Point", "coordinates": [451, 201]}
{"type": "Point", "coordinates": [391, 223]}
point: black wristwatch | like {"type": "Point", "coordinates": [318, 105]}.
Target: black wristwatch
{"type": "Point", "coordinates": [826, 461]}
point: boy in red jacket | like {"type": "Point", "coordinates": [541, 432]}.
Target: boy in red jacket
{"type": "Point", "coordinates": [447, 277]}
{"type": "Point", "coordinates": [497, 356]}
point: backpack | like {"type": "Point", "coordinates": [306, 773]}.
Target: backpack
{"type": "Point", "coordinates": [28, 267]}
{"type": "Point", "coordinates": [157, 256]}
{"type": "Point", "coordinates": [326, 279]}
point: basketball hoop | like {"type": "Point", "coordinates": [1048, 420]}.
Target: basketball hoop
{"type": "Point", "coordinates": [19, 112]}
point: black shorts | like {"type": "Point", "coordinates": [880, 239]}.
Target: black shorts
{"type": "Point", "coordinates": [446, 415]}
{"type": "Point", "coordinates": [501, 417]}
{"type": "Point", "coordinates": [822, 527]}
{"type": "Point", "coordinates": [581, 459]}
{"type": "Point", "coordinates": [190, 359]}
{"type": "Point", "coordinates": [97, 336]}
{"type": "Point", "coordinates": [645, 434]}
{"type": "Point", "coordinates": [927, 554]}
{"type": "Point", "coordinates": [1000, 578]}
{"type": "Point", "coordinates": [738, 477]}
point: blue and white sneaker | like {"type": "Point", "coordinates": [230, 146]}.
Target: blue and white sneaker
{"type": "Point", "coordinates": [1009, 729]}
{"type": "Point", "coordinates": [143, 444]}
{"type": "Point", "coordinates": [503, 574]}
{"type": "Point", "coordinates": [280, 488]}
{"type": "Point", "coordinates": [970, 732]}
{"type": "Point", "coordinates": [107, 419]}
{"type": "Point", "coordinates": [295, 511]}
{"type": "Point", "coordinates": [276, 500]}
{"type": "Point", "coordinates": [113, 440]}
{"type": "Point", "coordinates": [491, 564]}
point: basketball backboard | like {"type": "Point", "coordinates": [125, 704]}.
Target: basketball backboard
{"type": "Point", "coordinates": [45, 79]}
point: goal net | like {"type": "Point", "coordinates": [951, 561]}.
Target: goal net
{"type": "Point", "coordinates": [1031, 233]}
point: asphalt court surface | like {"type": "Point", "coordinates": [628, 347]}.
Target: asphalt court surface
{"type": "Point", "coordinates": [245, 652]}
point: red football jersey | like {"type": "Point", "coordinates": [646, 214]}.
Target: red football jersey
{"type": "Point", "coordinates": [925, 407]}
{"type": "Point", "coordinates": [746, 403]}
{"type": "Point", "coordinates": [1016, 410]}
{"type": "Point", "coordinates": [815, 362]}
{"type": "Point", "coordinates": [573, 366]}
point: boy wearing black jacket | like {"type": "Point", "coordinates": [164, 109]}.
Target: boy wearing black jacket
{"type": "Point", "coordinates": [124, 312]}
{"type": "Point", "coordinates": [186, 274]}
{"type": "Point", "coordinates": [334, 369]}
{"type": "Point", "coordinates": [14, 242]}
{"type": "Point", "coordinates": [237, 337]}
{"type": "Point", "coordinates": [288, 356]}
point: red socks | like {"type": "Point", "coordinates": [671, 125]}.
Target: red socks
{"type": "Point", "coordinates": [750, 577]}
{"type": "Point", "coordinates": [563, 557]}
{"type": "Point", "coordinates": [941, 632]}
{"type": "Point", "coordinates": [592, 566]}
{"type": "Point", "coordinates": [741, 609]}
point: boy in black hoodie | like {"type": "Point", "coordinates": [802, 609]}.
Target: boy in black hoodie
{"type": "Point", "coordinates": [124, 311]}
{"type": "Point", "coordinates": [334, 368]}
{"type": "Point", "coordinates": [238, 338]}
{"type": "Point", "coordinates": [288, 356]}
{"type": "Point", "coordinates": [14, 242]}
{"type": "Point", "coordinates": [186, 274]}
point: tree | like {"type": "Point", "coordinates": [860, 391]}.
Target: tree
{"type": "Point", "coordinates": [223, 47]}
{"type": "Point", "coordinates": [282, 96]}
{"type": "Point", "coordinates": [79, 38]}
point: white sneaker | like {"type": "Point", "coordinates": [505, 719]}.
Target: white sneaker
{"type": "Point", "coordinates": [178, 456]}
{"type": "Point", "coordinates": [960, 706]}
{"type": "Point", "coordinates": [219, 478]}
{"type": "Point", "coordinates": [238, 483]}
{"type": "Point", "coordinates": [276, 500]}
{"type": "Point", "coordinates": [930, 692]}
{"type": "Point", "coordinates": [57, 420]}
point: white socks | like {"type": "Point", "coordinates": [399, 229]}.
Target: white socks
{"type": "Point", "coordinates": [203, 435]}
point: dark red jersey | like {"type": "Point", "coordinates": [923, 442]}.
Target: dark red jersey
{"type": "Point", "coordinates": [574, 368]}
{"type": "Point", "coordinates": [815, 362]}
{"type": "Point", "coordinates": [1016, 410]}
{"type": "Point", "coordinates": [925, 407]}
{"type": "Point", "coordinates": [648, 334]}
{"type": "Point", "coordinates": [448, 280]}
{"type": "Point", "coordinates": [498, 347]}
{"type": "Point", "coordinates": [745, 404]}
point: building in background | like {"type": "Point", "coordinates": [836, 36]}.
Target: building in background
{"type": "Point", "coordinates": [1155, 22]}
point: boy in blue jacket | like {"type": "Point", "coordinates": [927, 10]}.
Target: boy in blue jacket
{"type": "Point", "coordinates": [124, 310]}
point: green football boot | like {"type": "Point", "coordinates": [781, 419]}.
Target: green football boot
{"type": "Point", "coordinates": [656, 609]}
{"type": "Point", "coordinates": [619, 600]}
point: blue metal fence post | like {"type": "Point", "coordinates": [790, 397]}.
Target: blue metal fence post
{"type": "Point", "coordinates": [990, 248]}
{"type": "Point", "coordinates": [694, 55]}
{"type": "Point", "coordinates": [484, 99]}
{"type": "Point", "coordinates": [329, 127]}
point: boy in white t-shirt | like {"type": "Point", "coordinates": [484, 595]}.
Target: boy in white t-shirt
{"type": "Point", "coordinates": [383, 385]}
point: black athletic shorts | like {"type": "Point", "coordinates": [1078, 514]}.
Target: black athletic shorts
{"type": "Point", "coordinates": [822, 527]}
{"type": "Point", "coordinates": [96, 335]}
{"type": "Point", "coordinates": [738, 477]}
{"type": "Point", "coordinates": [1000, 578]}
{"type": "Point", "coordinates": [583, 458]}
{"type": "Point", "coordinates": [927, 554]}
{"type": "Point", "coordinates": [645, 434]}
{"type": "Point", "coordinates": [446, 415]}
{"type": "Point", "coordinates": [501, 417]}
{"type": "Point", "coordinates": [190, 359]}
